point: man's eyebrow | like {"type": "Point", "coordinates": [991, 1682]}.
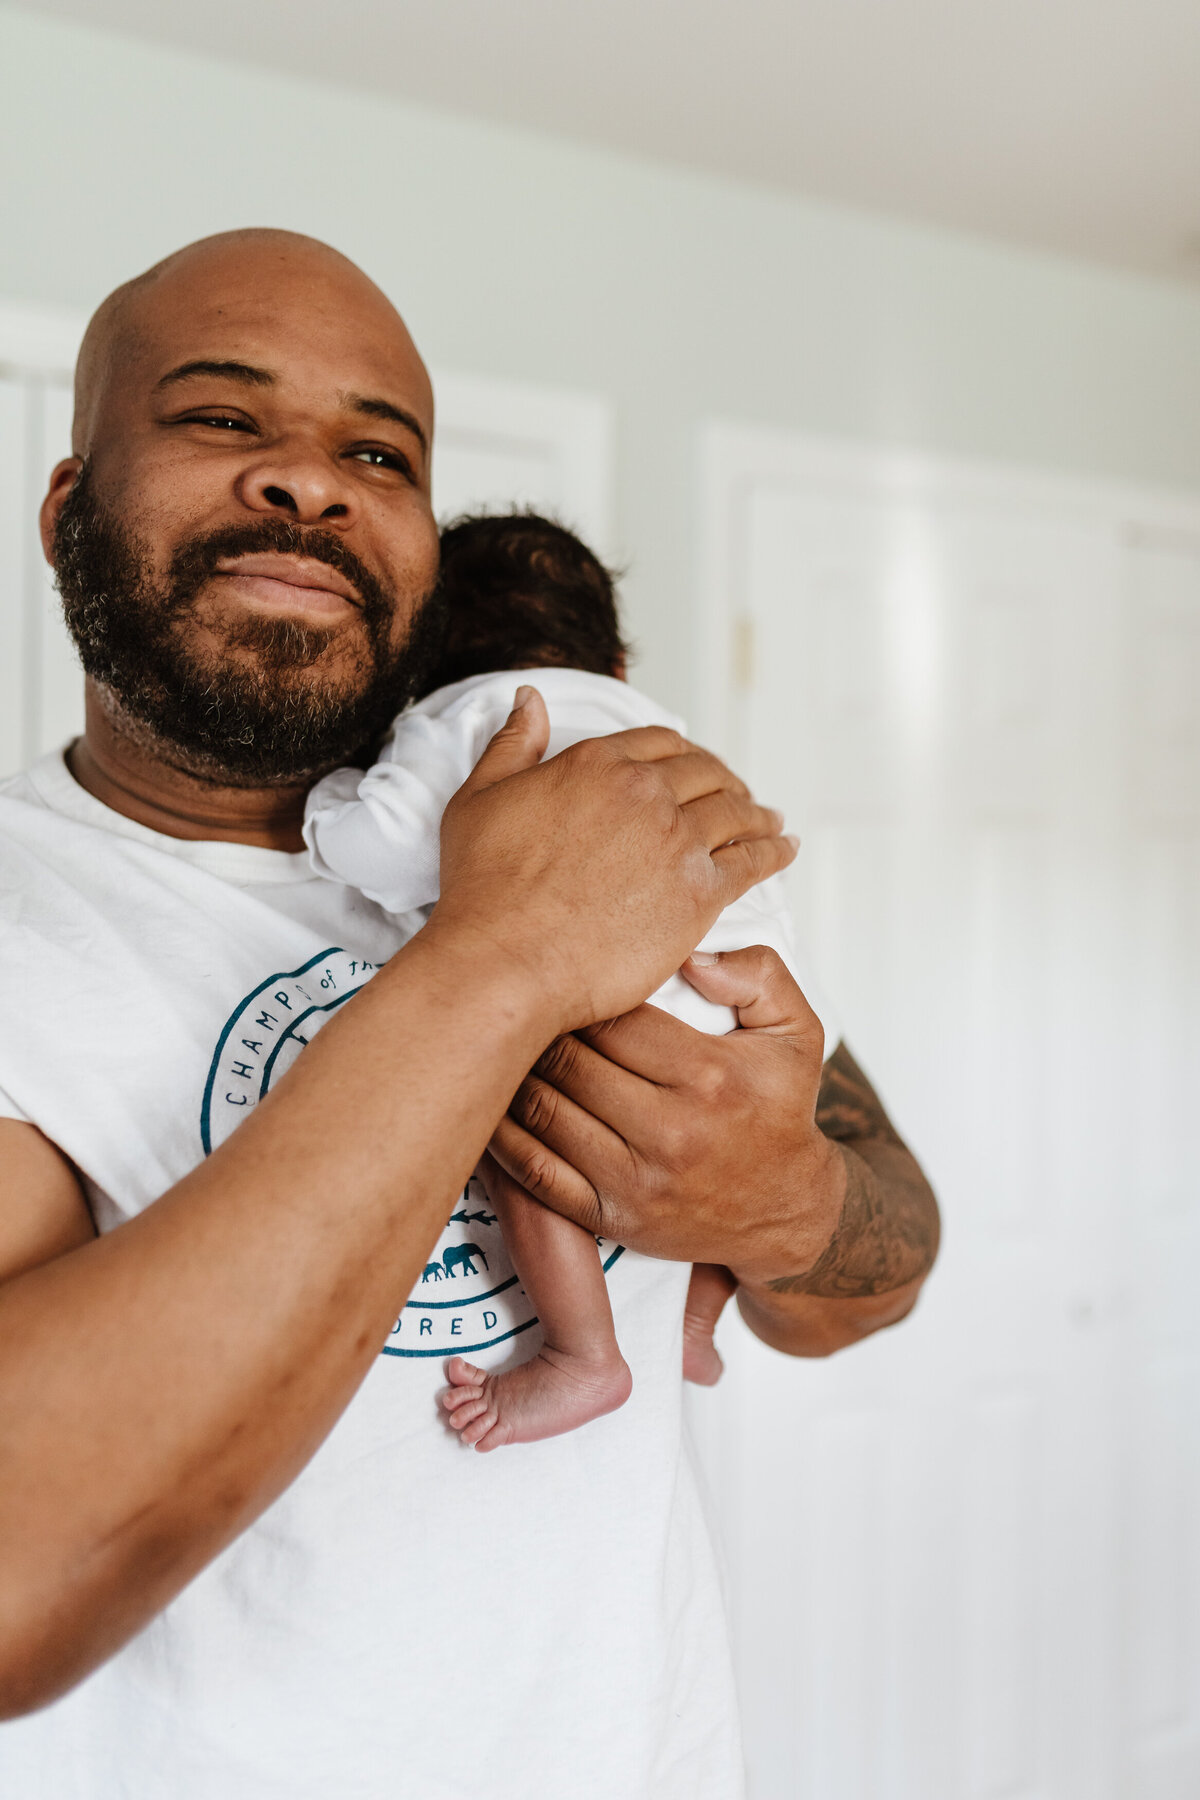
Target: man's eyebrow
{"type": "Point", "coordinates": [384, 409]}
{"type": "Point", "coordinates": [229, 371]}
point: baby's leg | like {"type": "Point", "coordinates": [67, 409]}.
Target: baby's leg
{"type": "Point", "coordinates": [579, 1371]}
{"type": "Point", "coordinates": [708, 1290]}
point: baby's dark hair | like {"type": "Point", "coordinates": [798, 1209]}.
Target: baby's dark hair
{"type": "Point", "coordinates": [519, 591]}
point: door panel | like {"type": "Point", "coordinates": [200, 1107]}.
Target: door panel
{"type": "Point", "coordinates": [964, 1556]}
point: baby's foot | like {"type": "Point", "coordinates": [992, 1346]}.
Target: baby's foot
{"type": "Point", "coordinates": [551, 1393]}
{"type": "Point", "coordinates": [701, 1358]}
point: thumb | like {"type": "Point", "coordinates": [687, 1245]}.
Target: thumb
{"type": "Point", "coordinates": [760, 987]}
{"type": "Point", "coordinates": [519, 744]}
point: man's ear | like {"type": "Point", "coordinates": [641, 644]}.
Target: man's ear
{"type": "Point", "coordinates": [62, 480]}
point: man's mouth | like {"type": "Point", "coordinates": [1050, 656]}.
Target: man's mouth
{"type": "Point", "coordinates": [282, 582]}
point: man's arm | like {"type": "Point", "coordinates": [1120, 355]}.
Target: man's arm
{"type": "Point", "coordinates": [739, 1150]}
{"type": "Point", "coordinates": [883, 1245]}
{"type": "Point", "coordinates": [226, 1328]}
{"type": "Point", "coordinates": [43, 1213]}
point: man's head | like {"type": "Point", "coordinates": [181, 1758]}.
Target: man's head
{"type": "Point", "coordinates": [244, 538]}
{"type": "Point", "coordinates": [522, 592]}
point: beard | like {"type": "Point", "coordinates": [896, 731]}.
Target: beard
{"type": "Point", "coordinates": [266, 715]}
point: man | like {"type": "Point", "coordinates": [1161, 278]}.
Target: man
{"type": "Point", "coordinates": [232, 1534]}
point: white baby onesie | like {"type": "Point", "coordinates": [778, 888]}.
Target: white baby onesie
{"type": "Point", "coordinates": [378, 831]}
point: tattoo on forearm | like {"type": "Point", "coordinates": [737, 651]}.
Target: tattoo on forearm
{"type": "Point", "coordinates": [887, 1235]}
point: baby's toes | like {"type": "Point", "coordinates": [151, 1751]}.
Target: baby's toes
{"type": "Point", "coordinates": [471, 1409]}
{"type": "Point", "coordinates": [454, 1397]}
{"type": "Point", "coordinates": [479, 1426]}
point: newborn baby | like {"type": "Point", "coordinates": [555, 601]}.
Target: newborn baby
{"type": "Point", "coordinates": [524, 594]}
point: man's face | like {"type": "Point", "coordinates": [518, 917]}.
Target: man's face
{"type": "Point", "coordinates": [247, 556]}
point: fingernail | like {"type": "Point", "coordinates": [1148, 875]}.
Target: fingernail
{"type": "Point", "coordinates": [522, 697]}
{"type": "Point", "coordinates": [790, 838]}
{"type": "Point", "coordinates": [705, 957]}
{"type": "Point", "coordinates": [778, 818]}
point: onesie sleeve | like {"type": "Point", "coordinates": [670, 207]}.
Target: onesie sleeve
{"type": "Point", "coordinates": [380, 831]}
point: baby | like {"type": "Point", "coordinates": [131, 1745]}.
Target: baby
{"type": "Point", "coordinates": [521, 594]}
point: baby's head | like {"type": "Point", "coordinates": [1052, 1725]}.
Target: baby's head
{"type": "Point", "coordinates": [523, 593]}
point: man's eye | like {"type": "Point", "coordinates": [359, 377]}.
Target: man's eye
{"type": "Point", "coordinates": [378, 458]}
{"type": "Point", "coordinates": [225, 421]}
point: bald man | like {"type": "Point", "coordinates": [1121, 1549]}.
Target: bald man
{"type": "Point", "coordinates": [239, 1554]}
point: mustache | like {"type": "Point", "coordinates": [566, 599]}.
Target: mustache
{"type": "Point", "coordinates": [283, 717]}
{"type": "Point", "coordinates": [197, 559]}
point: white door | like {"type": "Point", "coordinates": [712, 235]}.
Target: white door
{"type": "Point", "coordinates": [497, 444]}
{"type": "Point", "coordinates": [965, 1556]}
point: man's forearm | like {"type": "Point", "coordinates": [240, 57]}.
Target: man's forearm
{"type": "Point", "coordinates": [887, 1231]}
{"type": "Point", "coordinates": [883, 1244]}
{"type": "Point", "coordinates": [230, 1323]}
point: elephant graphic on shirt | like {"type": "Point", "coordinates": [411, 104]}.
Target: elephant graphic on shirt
{"type": "Point", "coordinates": [462, 1256]}
{"type": "Point", "coordinates": [433, 1272]}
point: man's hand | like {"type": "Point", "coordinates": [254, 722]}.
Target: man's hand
{"type": "Point", "coordinates": [742, 1150]}
{"type": "Point", "coordinates": [636, 839]}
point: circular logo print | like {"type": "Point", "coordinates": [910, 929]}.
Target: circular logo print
{"type": "Point", "coordinates": [266, 1032]}
{"type": "Point", "coordinates": [469, 1296]}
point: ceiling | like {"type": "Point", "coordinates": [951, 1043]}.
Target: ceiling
{"type": "Point", "coordinates": [1073, 125]}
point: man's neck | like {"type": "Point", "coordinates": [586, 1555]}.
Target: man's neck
{"type": "Point", "coordinates": [131, 774]}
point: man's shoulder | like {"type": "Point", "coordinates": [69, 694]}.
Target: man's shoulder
{"type": "Point", "coordinates": [33, 854]}
{"type": "Point", "coordinates": [35, 810]}
{"type": "Point", "coordinates": [24, 815]}
{"type": "Point", "coordinates": [20, 788]}
{"type": "Point", "coordinates": [56, 858]}
{"type": "Point", "coordinates": [44, 790]}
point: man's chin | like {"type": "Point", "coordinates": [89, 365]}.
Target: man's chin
{"type": "Point", "coordinates": [275, 641]}
{"type": "Point", "coordinates": [233, 758]}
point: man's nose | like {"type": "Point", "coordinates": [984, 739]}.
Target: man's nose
{"type": "Point", "coordinates": [300, 480]}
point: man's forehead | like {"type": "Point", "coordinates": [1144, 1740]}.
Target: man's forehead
{"type": "Point", "coordinates": [295, 339]}
{"type": "Point", "coordinates": [291, 307]}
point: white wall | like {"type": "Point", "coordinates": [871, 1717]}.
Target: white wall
{"type": "Point", "coordinates": [679, 296]}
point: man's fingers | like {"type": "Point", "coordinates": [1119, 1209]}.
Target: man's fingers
{"type": "Point", "coordinates": [758, 985]}
{"type": "Point", "coordinates": [744, 864]}
{"type": "Point", "coordinates": [626, 1101]}
{"type": "Point", "coordinates": [722, 817]}
{"type": "Point", "coordinates": [688, 770]}
{"type": "Point", "coordinates": [519, 744]}
{"type": "Point", "coordinates": [498, 1184]}
{"type": "Point", "coordinates": [516, 1154]}
{"type": "Point", "coordinates": [650, 743]}
{"type": "Point", "coordinates": [566, 1128]}
{"type": "Point", "coordinates": [695, 772]}
{"type": "Point", "coordinates": [647, 1047]}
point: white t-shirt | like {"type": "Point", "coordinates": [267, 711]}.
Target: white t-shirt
{"type": "Point", "coordinates": [410, 1619]}
{"type": "Point", "coordinates": [379, 830]}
